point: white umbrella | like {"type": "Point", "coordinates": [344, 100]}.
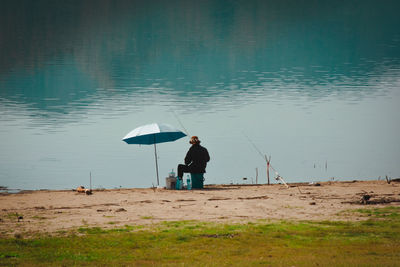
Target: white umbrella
{"type": "Point", "coordinates": [151, 134]}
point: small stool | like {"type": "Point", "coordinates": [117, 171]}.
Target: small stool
{"type": "Point", "coordinates": [197, 180]}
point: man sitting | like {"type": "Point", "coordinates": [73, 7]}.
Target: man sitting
{"type": "Point", "coordinates": [195, 161]}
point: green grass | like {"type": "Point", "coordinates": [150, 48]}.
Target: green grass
{"type": "Point", "coordinates": [13, 216]}
{"type": "Point", "coordinates": [147, 217]}
{"type": "Point", "coordinates": [373, 242]}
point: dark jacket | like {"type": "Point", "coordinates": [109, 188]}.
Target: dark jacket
{"type": "Point", "coordinates": [197, 158]}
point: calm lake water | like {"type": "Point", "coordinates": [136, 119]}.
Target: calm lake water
{"type": "Point", "coordinates": [314, 84]}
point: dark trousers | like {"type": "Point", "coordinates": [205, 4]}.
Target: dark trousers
{"type": "Point", "coordinates": [183, 168]}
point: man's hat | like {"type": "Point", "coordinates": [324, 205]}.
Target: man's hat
{"type": "Point", "coordinates": [194, 140]}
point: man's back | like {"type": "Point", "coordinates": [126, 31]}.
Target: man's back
{"type": "Point", "coordinates": [197, 158]}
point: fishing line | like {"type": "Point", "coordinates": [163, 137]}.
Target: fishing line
{"type": "Point", "coordinates": [177, 118]}
{"type": "Point", "coordinates": [255, 147]}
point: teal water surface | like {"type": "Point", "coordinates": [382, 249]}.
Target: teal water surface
{"type": "Point", "coordinates": [313, 84]}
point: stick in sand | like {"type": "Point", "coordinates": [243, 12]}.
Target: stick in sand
{"type": "Point", "coordinates": [268, 160]}
{"type": "Point", "coordinates": [256, 175]}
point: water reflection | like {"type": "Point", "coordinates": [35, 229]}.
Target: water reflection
{"type": "Point", "coordinates": [59, 57]}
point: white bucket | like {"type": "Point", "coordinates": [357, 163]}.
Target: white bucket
{"type": "Point", "coordinates": [170, 182]}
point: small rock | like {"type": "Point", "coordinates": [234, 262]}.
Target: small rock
{"type": "Point", "coordinates": [313, 203]}
{"type": "Point", "coordinates": [18, 235]}
{"type": "Point", "coordinates": [365, 199]}
{"type": "Point", "coordinates": [102, 210]}
{"type": "Point", "coordinates": [120, 209]}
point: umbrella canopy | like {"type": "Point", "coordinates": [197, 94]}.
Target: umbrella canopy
{"type": "Point", "coordinates": [152, 134]}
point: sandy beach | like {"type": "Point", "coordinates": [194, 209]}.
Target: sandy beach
{"type": "Point", "coordinates": [32, 212]}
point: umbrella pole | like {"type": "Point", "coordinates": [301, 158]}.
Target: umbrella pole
{"type": "Point", "coordinates": [155, 155]}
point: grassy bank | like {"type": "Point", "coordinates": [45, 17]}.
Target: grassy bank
{"type": "Point", "coordinates": [371, 242]}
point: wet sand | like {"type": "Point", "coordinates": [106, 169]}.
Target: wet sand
{"type": "Point", "coordinates": [54, 211]}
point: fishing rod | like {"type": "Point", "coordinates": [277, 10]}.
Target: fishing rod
{"type": "Point", "coordinates": [278, 177]}
{"type": "Point", "coordinates": [180, 123]}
